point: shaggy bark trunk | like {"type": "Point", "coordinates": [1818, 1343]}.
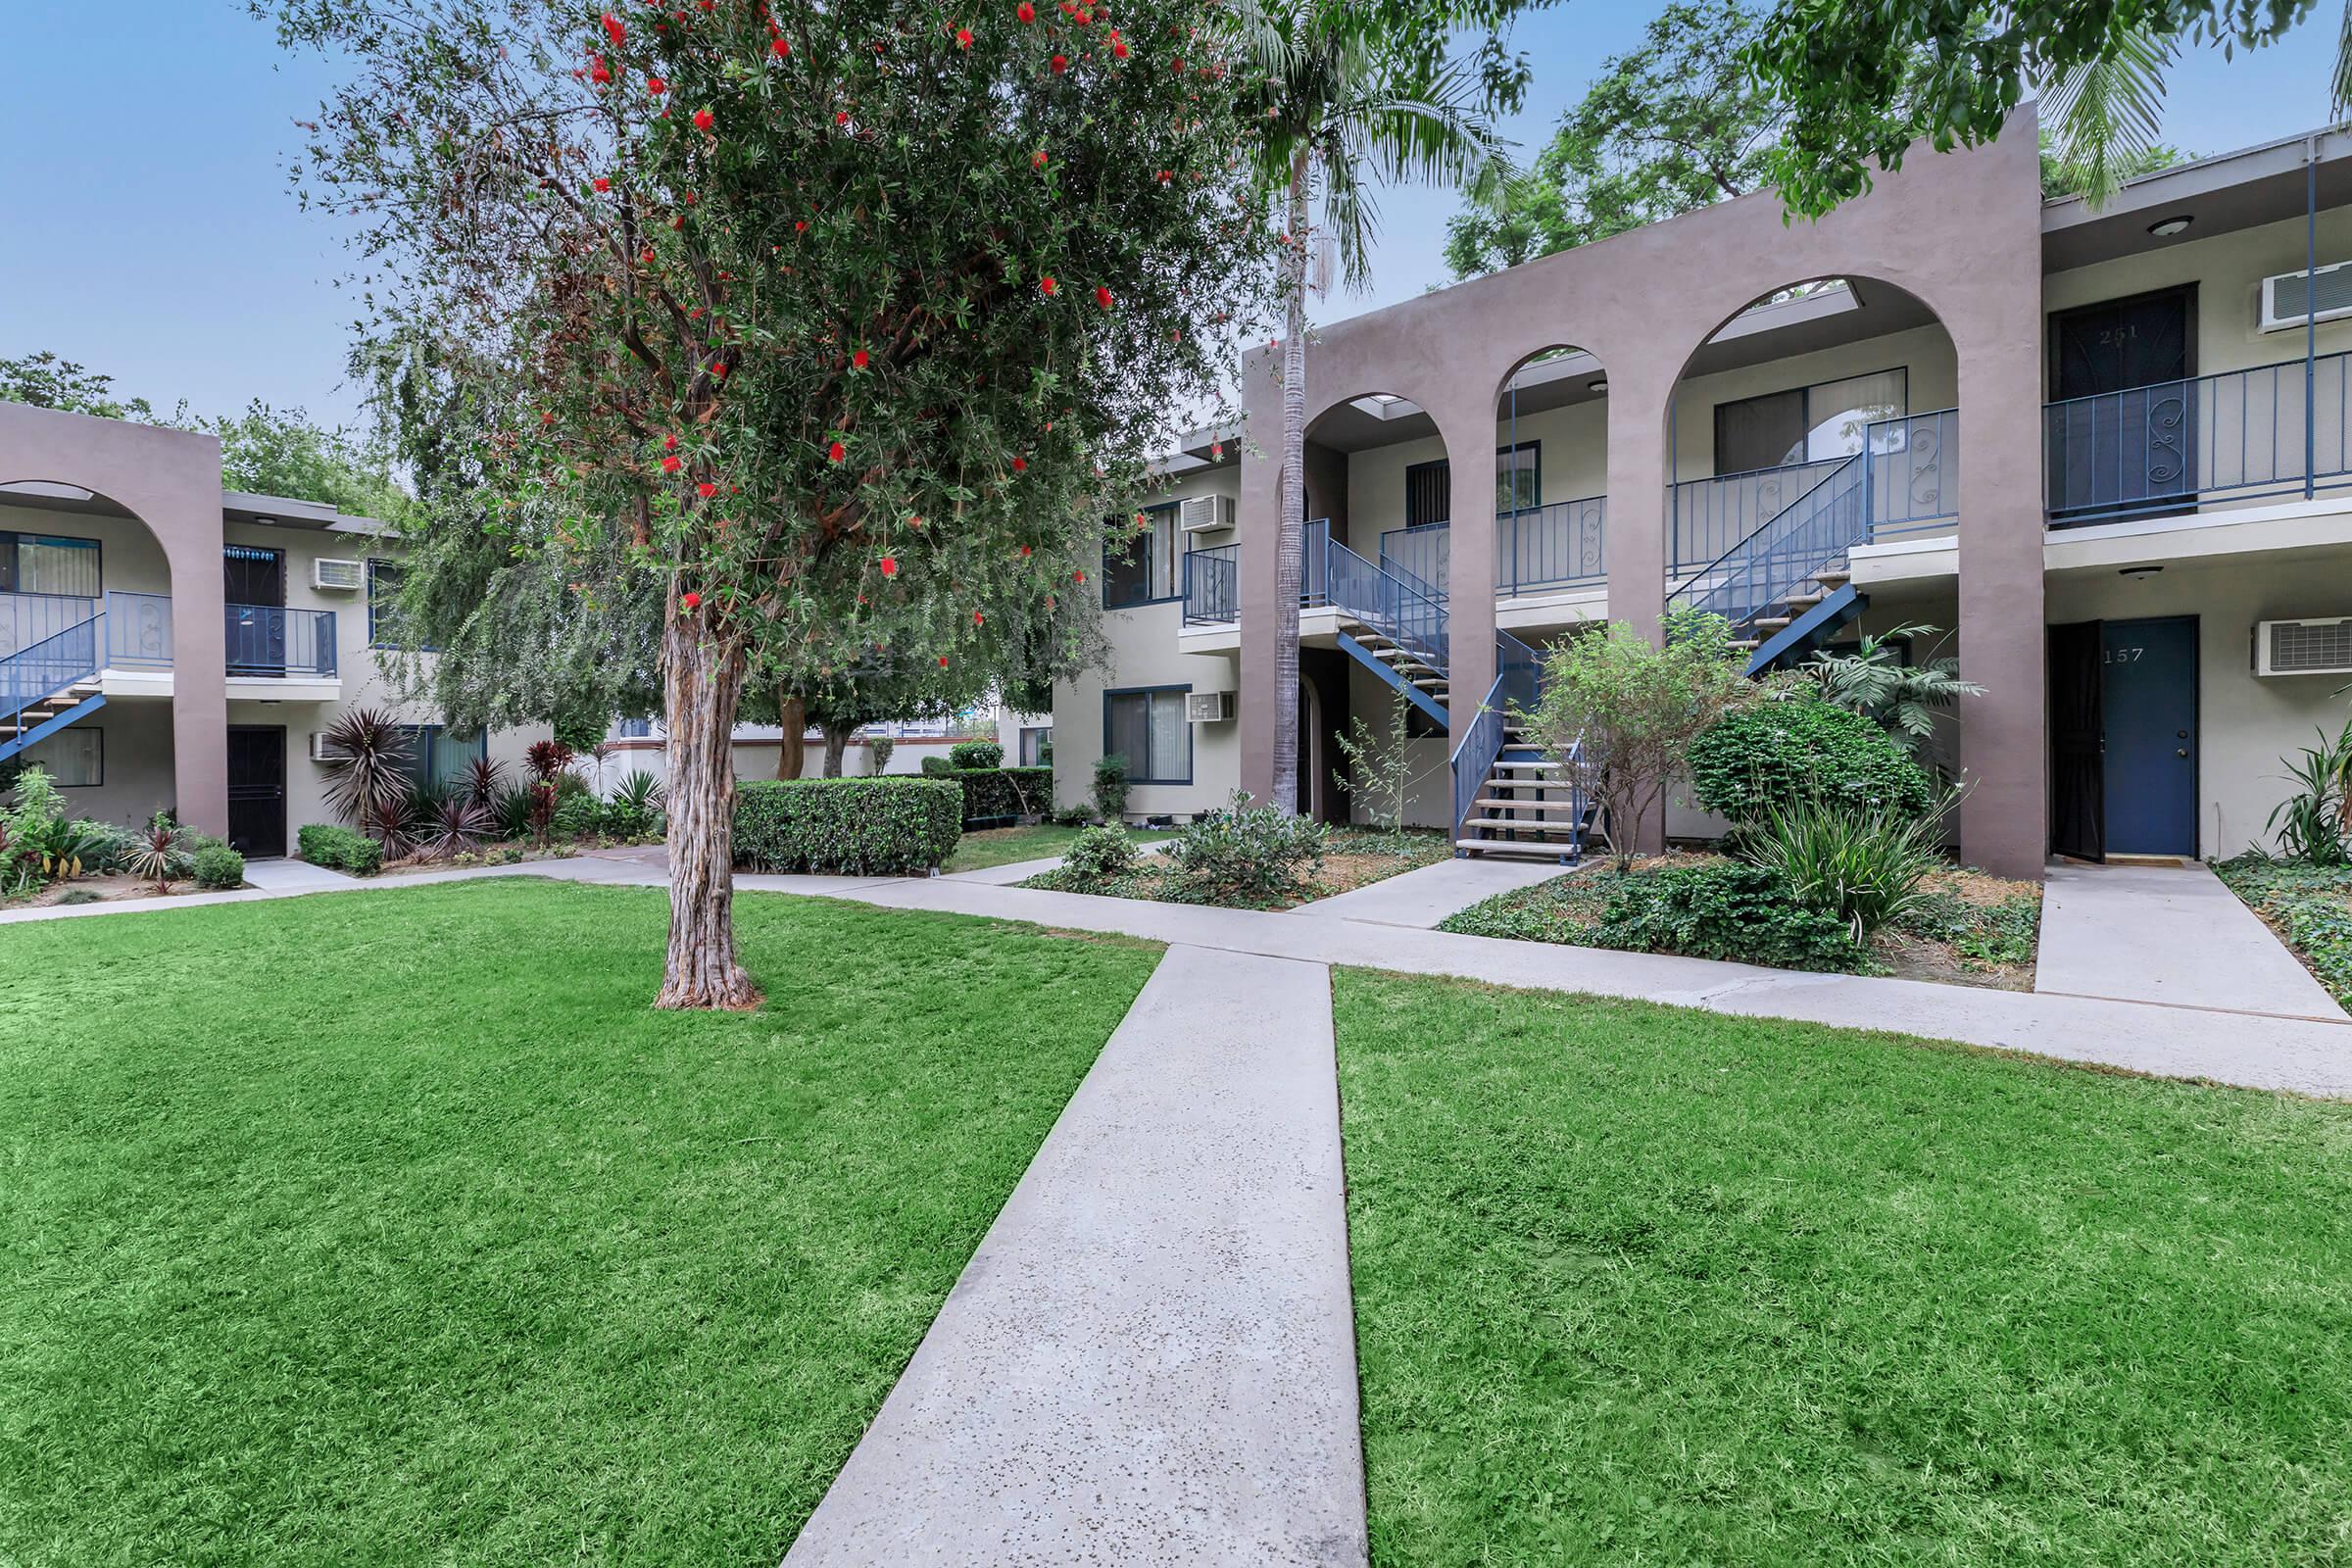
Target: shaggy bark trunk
{"type": "Point", "coordinates": [837, 741]}
{"type": "Point", "coordinates": [792, 755]}
{"type": "Point", "coordinates": [702, 680]}
{"type": "Point", "coordinates": [1290, 557]}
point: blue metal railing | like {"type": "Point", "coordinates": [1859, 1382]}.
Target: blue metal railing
{"type": "Point", "coordinates": [1313, 585]}
{"type": "Point", "coordinates": [1779, 559]}
{"type": "Point", "coordinates": [1911, 474]}
{"type": "Point", "coordinates": [1404, 615]}
{"type": "Point", "coordinates": [1710, 517]}
{"type": "Point", "coordinates": [2242, 435]}
{"type": "Point", "coordinates": [1212, 585]}
{"type": "Point", "coordinates": [1536, 549]}
{"type": "Point", "coordinates": [138, 630]}
{"type": "Point", "coordinates": [1518, 680]}
{"type": "Point", "coordinates": [28, 619]}
{"type": "Point", "coordinates": [47, 668]}
{"type": "Point", "coordinates": [258, 641]}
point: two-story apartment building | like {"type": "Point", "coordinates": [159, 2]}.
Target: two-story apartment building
{"type": "Point", "coordinates": [2106, 451]}
{"type": "Point", "coordinates": [167, 644]}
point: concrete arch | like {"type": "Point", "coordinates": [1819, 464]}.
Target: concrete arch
{"type": "Point", "coordinates": [170, 480]}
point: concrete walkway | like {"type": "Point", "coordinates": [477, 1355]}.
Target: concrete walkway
{"type": "Point", "coordinates": [1150, 1360]}
{"type": "Point", "coordinates": [2173, 935]}
{"type": "Point", "coordinates": [296, 876]}
{"type": "Point", "coordinates": [1423, 897]}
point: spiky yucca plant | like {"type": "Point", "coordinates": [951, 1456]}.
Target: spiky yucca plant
{"type": "Point", "coordinates": [367, 774]}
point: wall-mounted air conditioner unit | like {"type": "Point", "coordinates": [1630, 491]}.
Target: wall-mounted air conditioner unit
{"type": "Point", "coordinates": [323, 747]}
{"type": "Point", "coordinates": [338, 577]}
{"type": "Point", "coordinates": [2303, 647]}
{"type": "Point", "coordinates": [2289, 297]}
{"type": "Point", "coordinates": [1203, 513]}
{"type": "Point", "coordinates": [1209, 708]}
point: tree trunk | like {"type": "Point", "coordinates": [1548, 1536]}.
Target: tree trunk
{"type": "Point", "coordinates": [701, 681]}
{"type": "Point", "coordinates": [792, 753]}
{"type": "Point", "coordinates": [1290, 568]}
{"type": "Point", "coordinates": [837, 741]}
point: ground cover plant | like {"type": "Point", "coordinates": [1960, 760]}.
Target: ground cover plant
{"type": "Point", "coordinates": [1959, 925]}
{"type": "Point", "coordinates": [457, 1253]}
{"type": "Point", "coordinates": [1003, 846]}
{"type": "Point", "coordinates": [1638, 1284]}
{"type": "Point", "coordinates": [1267, 861]}
{"type": "Point", "coordinates": [2309, 906]}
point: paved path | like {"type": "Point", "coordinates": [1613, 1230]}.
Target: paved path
{"type": "Point", "coordinates": [2307, 1054]}
{"type": "Point", "coordinates": [1423, 897]}
{"type": "Point", "coordinates": [2168, 934]}
{"type": "Point", "coordinates": [1152, 1358]}
{"type": "Point", "coordinates": [296, 876]}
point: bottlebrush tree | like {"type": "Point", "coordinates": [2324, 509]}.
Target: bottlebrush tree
{"type": "Point", "coordinates": [851, 327]}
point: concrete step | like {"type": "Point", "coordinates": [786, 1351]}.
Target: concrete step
{"type": "Point", "coordinates": [1504, 846]}
{"type": "Point", "coordinates": [1543, 807]}
{"type": "Point", "coordinates": [1833, 578]}
{"type": "Point", "coordinates": [1520, 825]}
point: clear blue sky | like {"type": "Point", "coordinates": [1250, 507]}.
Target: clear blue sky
{"type": "Point", "coordinates": [149, 232]}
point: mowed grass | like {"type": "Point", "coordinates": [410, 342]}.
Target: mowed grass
{"type": "Point", "coordinates": [396, 1227]}
{"type": "Point", "coordinates": [1644, 1285]}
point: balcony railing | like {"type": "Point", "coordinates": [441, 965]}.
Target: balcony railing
{"type": "Point", "coordinates": [2172, 446]}
{"type": "Point", "coordinates": [30, 618]}
{"type": "Point", "coordinates": [1536, 549]}
{"type": "Point", "coordinates": [259, 641]}
{"type": "Point", "coordinates": [1212, 585]}
{"type": "Point", "coordinates": [1707, 516]}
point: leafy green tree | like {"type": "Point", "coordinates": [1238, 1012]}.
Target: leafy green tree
{"type": "Point", "coordinates": [283, 452]}
{"type": "Point", "coordinates": [1673, 124]}
{"type": "Point", "coordinates": [1379, 774]}
{"type": "Point", "coordinates": [838, 334]}
{"type": "Point", "coordinates": [46, 381]}
{"type": "Point", "coordinates": [2059, 178]}
{"type": "Point", "coordinates": [1862, 82]}
{"type": "Point", "coordinates": [1348, 92]}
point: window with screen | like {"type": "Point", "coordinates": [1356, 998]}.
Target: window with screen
{"type": "Point", "coordinates": [1519, 478]}
{"type": "Point", "coordinates": [1138, 567]}
{"type": "Point", "coordinates": [1146, 730]}
{"type": "Point", "coordinates": [437, 760]}
{"type": "Point", "coordinates": [1036, 747]}
{"type": "Point", "coordinates": [1807, 423]}
{"type": "Point", "coordinates": [383, 604]}
{"type": "Point", "coordinates": [74, 758]}
{"type": "Point", "coordinates": [47, 563]}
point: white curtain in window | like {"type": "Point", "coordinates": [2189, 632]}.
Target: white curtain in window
{"type": "Point", "coordinates": [57, 566]}
{"type": "Point", "coordinates": [1840, 413]}
{"type": "Point", "coordinates": [1171, 737]}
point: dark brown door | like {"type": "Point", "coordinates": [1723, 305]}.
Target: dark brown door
{"type": "Point", "coordinates": [2077, 731]}
{"type": "Point", "coordinates": [257, 790]}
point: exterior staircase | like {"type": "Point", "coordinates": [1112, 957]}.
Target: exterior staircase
{"type": "Point", "coordinates": [1509, 798]}
{"type": "Point", "coordinates": [51, 684]}
{"type": "Point", "coordinates": [1390, 625]}
{"type": "Point", "coordinates": [1786, 588]}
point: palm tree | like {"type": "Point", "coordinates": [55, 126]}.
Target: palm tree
{"type": "Point", "coordinates": [2101, 113]}
{"type": "Point", "coordinates": [1353, 91]}
{"type": "Point", "coordinates": [1901, 699]}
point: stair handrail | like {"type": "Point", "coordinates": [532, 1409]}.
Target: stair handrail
{"type": "Point", "coordinates": [1403, 613]}
{"type": "Point", "coordinates": [49, 666]}
{"type": "Point", "coordinates": [1785, 528]}
{"type": "Point", "coordinates": [1518, 683]}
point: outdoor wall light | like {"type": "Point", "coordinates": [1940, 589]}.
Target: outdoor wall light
{"type": "Point", "coordinates": [2167, 227]}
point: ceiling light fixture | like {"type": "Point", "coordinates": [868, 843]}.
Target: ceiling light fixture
{"type": "Point", "coordinates": [1600, 383]}
{"type": "Point", "coordinates": [2167, 227]}
{"type": "Point", "coordinates": [2139, 572]}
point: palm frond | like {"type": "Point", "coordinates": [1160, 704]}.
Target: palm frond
{"type": "Point", "coordinates": [2339, 79]}
{"type": "Point", "coordinates": [2103, 115]}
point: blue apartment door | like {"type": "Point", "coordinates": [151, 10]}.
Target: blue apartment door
{"type": "Point", "coordinates": [2148, 697]}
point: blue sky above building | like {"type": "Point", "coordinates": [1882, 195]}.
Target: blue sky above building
{"type": "Point", "coordinates": [151, 231]}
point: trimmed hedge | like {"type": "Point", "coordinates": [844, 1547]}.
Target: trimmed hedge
{"type": "Point", "coordinates": [975, 754]}
{"type": "Point", "coordinates": [339, 849]}
{"type": "Point", "coordinates": [217, 865]}
{"type": "Point", "coordinates": [861, 826]}
{"type": "Point", "coordinates": [1780, 753]}
{"type": "Point", "coordinates": [1000, 794]}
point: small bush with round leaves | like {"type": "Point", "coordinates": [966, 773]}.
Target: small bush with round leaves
{"type": "Point", "coordinates": [1100, 854]}
{"type": "Point", "coordinates": [1787, 754]}
{"type": "Point", "coordinates": [975, 754]}
{"type": "Point", "coordinates": [217, 865]}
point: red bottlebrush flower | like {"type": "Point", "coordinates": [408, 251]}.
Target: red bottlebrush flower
{"type": "Point", "coordinates": [691, 601]}
{"type": "Point", "coordinates": [1060, 64]}
{"type": "Point", "coordinates": [978, 619]}
{"type": "Point", "coordinates": [1118, 49]}
{"type": "Point", "coordinates": [1024, 551]}
{"type": "Point", "coordinates": [646, 256]}
{"type": "Point", "coordinates": [670, 464]}
{"type": "Point", "coordinates": [841, 117]}
{"type": "Point", "coordinates": [702, 119]}
{"type": "Point", "coordinates": [943, 659]}
{"type": "Point", "coordinates": [1078, 576]}
{"type": "Point", "coordinates": [1020, 465]}
{"type": "Point", "coordinates": [1166, 175]}
{"type": "Point", "coordinates": [615, 30]}
{"type": "Point", "coordinates": [719, 369]}
{"type": "Point", "coordinates": [705, 489]}
{"type": "Point", "coordinates": [1179, 67]}
{"type": "Point", "coordinates": [858, 359]}
{"type": "Point", "coordinates": [678, 221]}
{"type": "Point", "coordinates": [1037, 159]}
{"type": "Point", "coordinates": [836, 452]}
{"type": "Point", "coordinates": [602, 185]}
{"type": "Point", "coordinates": [669, 443]}
{"type": "Point", "coordinates": [547, 417]}
{"type": "Point", "coordinates": [963, 37]}
{"type": "Point", "coordinates": [889, 565]}
{"type": "Point", "coordinates": [1046, 285]}
{"type": "Point", "coordinates": [1025, 10]}
{"type": "Point", "coordinates": [655, 86]}
{"type": "Point", "coordinates": [1102, 296]}
{"type": "Point", "coordinates": [783, 50]}
{"type": "Point", "coordinates": [801, 226]}
{"type": "Point", "coordinates": [598, 72]}
{"type": "Point", "coordinates": [915, 522]}
{"type": "Point", "coordinates": [1216, 452]}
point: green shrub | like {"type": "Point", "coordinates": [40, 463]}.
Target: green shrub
{"type": "Point", "coordinates": [1110, 787]}
{"type": "Point", "coordinates": [1723, 909]}
{"type": "Point", "coordinates": [81, 895]}
{"type": "Point", "coordinates": [975, 754]}
{"type": "Point", "coordinates": [579, 814]}
{"type": "Point", "coordinates": [998, 795]}
{"type": "Point", "coordinates": [1780, 753]}
{"type": "Point", "coordinates": [1100, 854]}
{"type": "Point", "coordinates": [935, 765]}
{"type": "Point", "coordinates": [635, 810]}
{"type": "Point", "coordinates": [217, 865]}
{"type": "Point", "coordinates": [861, 826]}
{"type": "Point", "coordinates": [1075, 817]}
{"type": "Point", "coordinates": [1245, 854]}
{"type": "Point", "coordinates": [339, 849]}
{"type": "Point", "coordinates": [878, 752]}
{"type": "Point", "coordinates": [1863, 867]}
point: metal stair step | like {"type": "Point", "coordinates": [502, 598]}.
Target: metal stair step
{"type": "Point", "coordinates": [1518, 825]}
{"type": "Point", "coordinates": [1532, 806]}
{"type": "Point", "coordinates": [1524, 848]}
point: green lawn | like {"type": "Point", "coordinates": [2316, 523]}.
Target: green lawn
{"type": "Point", "coordinates": [395, 1226]}
{"type": "Point", "coordinates": [1003, 846]}
{"type": "Point", "coordinates": [1639, 1284]}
